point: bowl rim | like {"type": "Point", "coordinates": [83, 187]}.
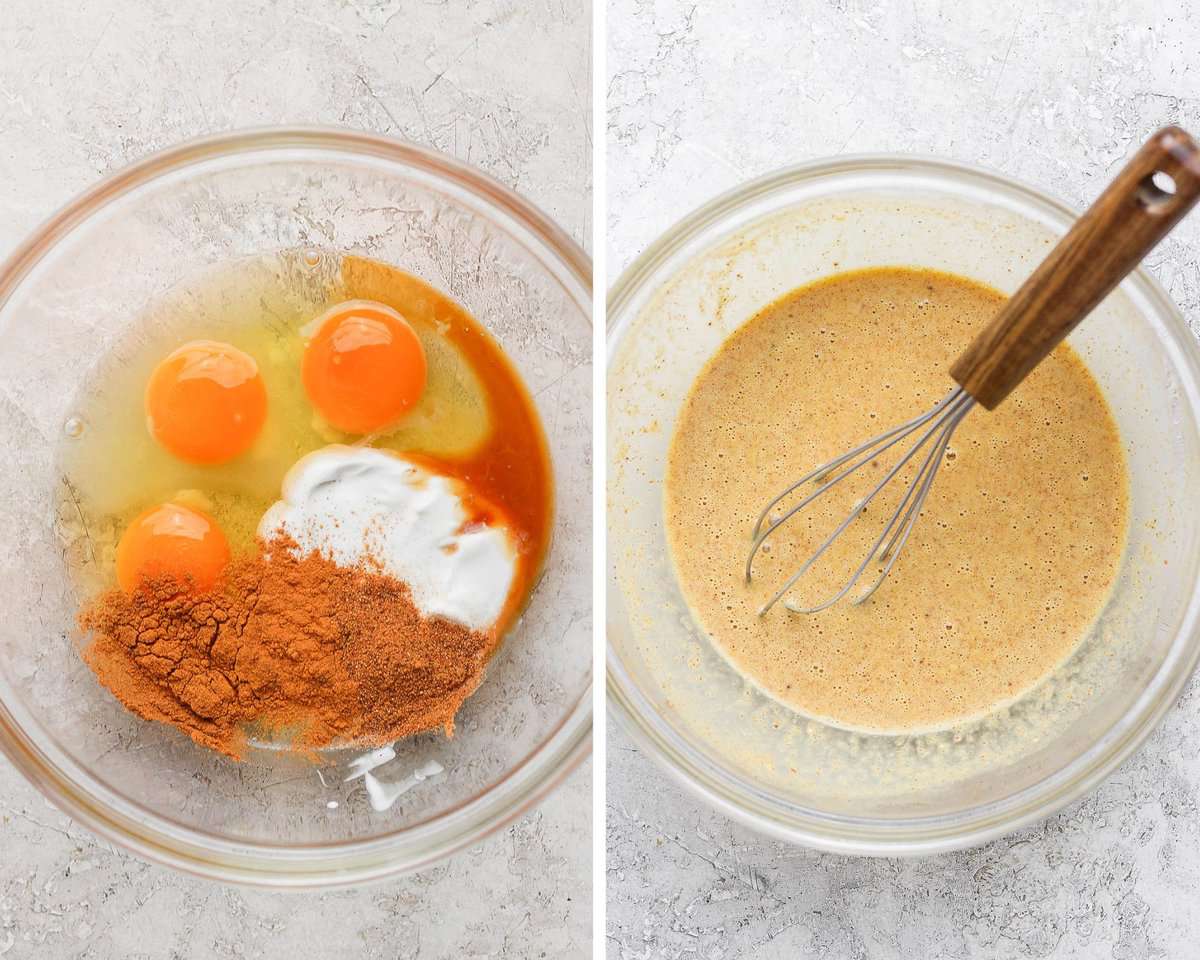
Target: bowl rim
{"type": "Point", "coordinates": [877, 837]}
{"type": "Point", "coordinates": [337, 864]}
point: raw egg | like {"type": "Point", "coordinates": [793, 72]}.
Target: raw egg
{"type": "Point", "coordinates": [206, 402]}
{"type": "Point", "coordinates": [172, 540]}
{"type": "Point", "coordinates": [364, 367]}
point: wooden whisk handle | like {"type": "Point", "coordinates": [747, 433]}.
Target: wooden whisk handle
{"type": "Point", "coordinates": [1148, 197]}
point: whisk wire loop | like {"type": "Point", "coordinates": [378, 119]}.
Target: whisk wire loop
{"type": "Point", "coordinates": [921, 485]}
{"type": "Point", "coordinates": [946, 415]}
{"type": "Point", "coordinates": [821, 472]}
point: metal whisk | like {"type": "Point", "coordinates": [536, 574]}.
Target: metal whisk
{"type": "Point", "coordinates": [1153, 192]}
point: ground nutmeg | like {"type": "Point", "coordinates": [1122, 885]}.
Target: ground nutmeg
{"type": "Point", "coordinates": [284, 645]}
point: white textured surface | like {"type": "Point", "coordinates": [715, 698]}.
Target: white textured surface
{"type": "Point", "coordinates": [702, 97]}
{"type": "Point", "coordinates": [85, 89]}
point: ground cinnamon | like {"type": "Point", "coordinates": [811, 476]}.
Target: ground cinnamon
{"type": "Point", "coordinates": [285, 645]}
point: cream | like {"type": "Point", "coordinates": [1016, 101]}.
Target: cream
{"type": "Point", "coordinates": [358, 505]}
{"type": "Point", "coordinates": [382, 794]}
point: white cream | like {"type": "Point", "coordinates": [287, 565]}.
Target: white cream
{"type": "Point", "coordinates": [361, 766]}
{"type": "Point", "coordinates": [354, 504]}
{"type": "Point", "coordinates": [383, 793]}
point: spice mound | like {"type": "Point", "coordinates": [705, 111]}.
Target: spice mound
{"type": "Point", "coordinates": [285, 645]}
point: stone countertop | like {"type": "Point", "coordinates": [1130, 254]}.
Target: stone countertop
{"type": "Point", "coordinates": [704, 96]}
{"type": "Point", "coordinates": [86, 88]}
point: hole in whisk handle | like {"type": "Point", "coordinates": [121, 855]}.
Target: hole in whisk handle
{"type": "Point", "coordinates": [1157, 190]}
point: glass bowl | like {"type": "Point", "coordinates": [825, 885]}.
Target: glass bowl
{"type": "Point", "coordinates": [803, 780]}
{"type": "Point", "coordinates": [71, 291]}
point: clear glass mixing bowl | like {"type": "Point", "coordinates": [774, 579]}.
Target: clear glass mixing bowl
{"type": "Point", "coordinates": [795, 777]}
{"type": "Point", "coordinates": [72, 290]}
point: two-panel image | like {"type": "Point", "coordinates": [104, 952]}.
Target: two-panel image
{"type": "Point", "coordinates": [375, 374]}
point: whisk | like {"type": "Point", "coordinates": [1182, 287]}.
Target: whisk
{"type": "Point", "coordinates": [1158, 186]}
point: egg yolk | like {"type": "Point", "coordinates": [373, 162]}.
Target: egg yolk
{"type": "Point", "coordinates": [206, 402]}
{"type": "Point", "coordinates": [364, 368]}
{"type": "Point", "coordinates": [172, 540]}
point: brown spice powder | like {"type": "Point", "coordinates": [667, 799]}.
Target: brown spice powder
{"type": "Point", "coordinates": [288, 644]}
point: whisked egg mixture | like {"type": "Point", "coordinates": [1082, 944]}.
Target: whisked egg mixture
{"type": "Point", "coordinates": [1018, 546]}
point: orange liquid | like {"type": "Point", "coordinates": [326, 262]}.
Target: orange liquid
{"type": "Point", "coordinates": [510, 469]}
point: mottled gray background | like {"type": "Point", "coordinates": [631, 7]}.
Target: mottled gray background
{"type": "Point", "coordinates": [704, 96]}
{"type": "Point", "coordinates": [87, 87]}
